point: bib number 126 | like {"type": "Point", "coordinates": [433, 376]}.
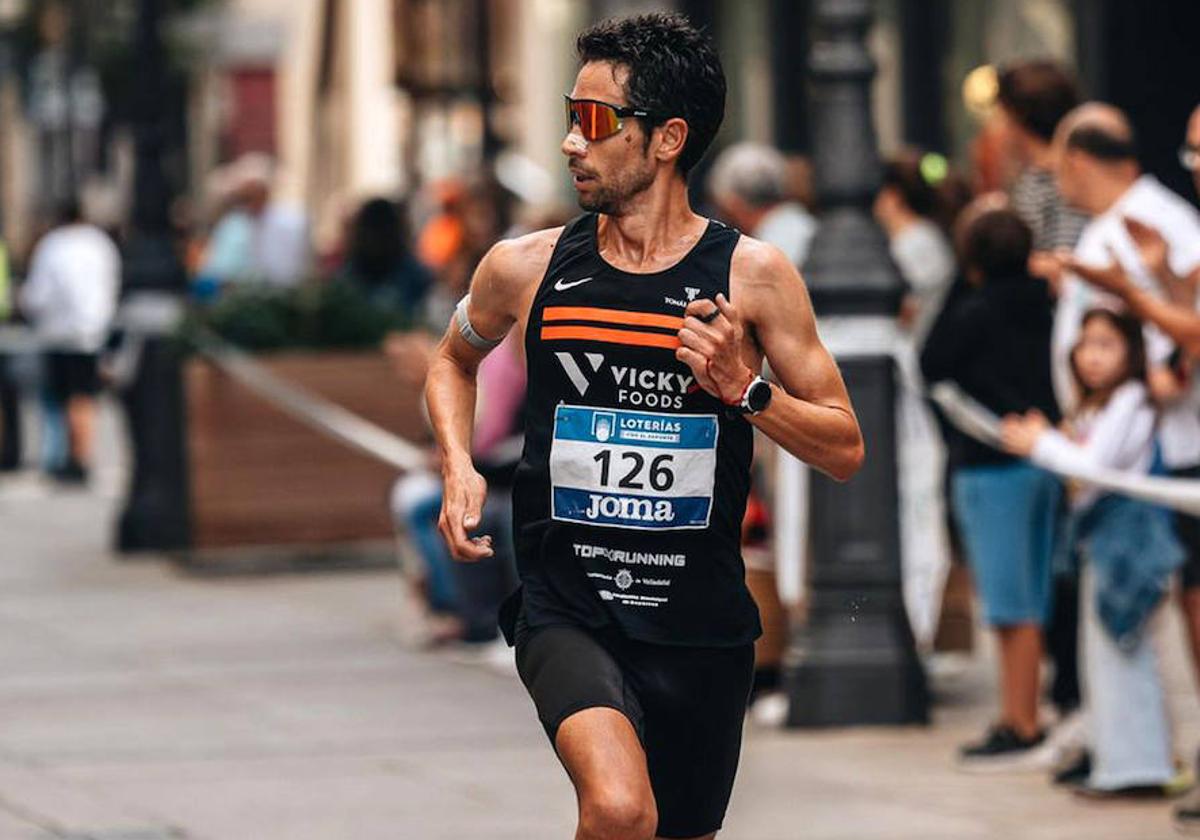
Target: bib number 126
{"type": "Point", "coordinates": [659, 473]}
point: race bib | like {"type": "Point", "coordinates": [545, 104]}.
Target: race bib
{"type": "Point", "coordinates": [632, 469]}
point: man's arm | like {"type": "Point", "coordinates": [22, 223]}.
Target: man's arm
{"type": "Point", "coordinates": [1182, 324]}
{"type": "Point", "coordinates": [497, 289]}
{"type": "Point", "coordinates": [810, 415]}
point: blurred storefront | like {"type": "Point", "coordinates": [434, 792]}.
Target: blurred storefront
{"type": "Point", "coordinates": [367, 97]}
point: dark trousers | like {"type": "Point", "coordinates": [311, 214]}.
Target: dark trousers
{"type": "Point", "coordinates": [1062, 642]}
{"type": "Point", "coordinates": [10, 419]}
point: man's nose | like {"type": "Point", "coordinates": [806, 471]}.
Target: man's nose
{"type": "Point", "coordinates": [573, 145]}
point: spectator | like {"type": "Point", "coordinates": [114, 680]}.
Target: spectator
{"type": "Point", "coordinates": [1172, 310]}
{"type": "Point", "coordinates": [380, 261]}
{"type": "Point", "coordinates": [256, 240]}
{"type": "Point", "coordinates": [463, 598]}
{"type": "Point", "coordinates": [915, 209]}
{"type": "Point", "coordinates": [748, 183]}
{"type": "Point", "coordinates": [1130, 556]}
{"type": "Point", "coordinates": [71, 297]}
{"type": "Point", "coordinates": [1033, 97]}
{"type": "Point", "coordinates": [994, 342]}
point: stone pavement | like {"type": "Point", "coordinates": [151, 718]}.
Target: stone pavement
{"type": "Point", "coordinates": [139, 703]}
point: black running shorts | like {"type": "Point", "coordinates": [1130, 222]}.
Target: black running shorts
{"type": "Point", "coordinates": [687, 705]}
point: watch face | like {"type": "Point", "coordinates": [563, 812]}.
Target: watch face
{"type": "Point", "coordinates": [759, 396]}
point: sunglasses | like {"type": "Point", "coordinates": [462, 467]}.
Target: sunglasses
{"type": "Point", "coordinates": [1189, 157]}
{"type": "Point", "coordinates": [598, 120]}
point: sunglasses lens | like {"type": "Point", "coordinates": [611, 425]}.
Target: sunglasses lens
{"type": "Point", "coordinates": [595, 119]}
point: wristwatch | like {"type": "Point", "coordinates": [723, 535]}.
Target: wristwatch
{"type": "Point", "coordinates": [755, 398]}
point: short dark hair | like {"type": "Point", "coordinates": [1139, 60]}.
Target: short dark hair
{"type": "Point", "coordinates": [69, 211]}
{"type": "Point", "coordinates": [927, 185]}
{"type": "Point", "coordinates": [1103, 144]}
{"type": "Point", "coordinates": [674, 71]}
{"type": "Point", "coordinates": [1037, 94]}
{"type": "Point", "coordinates": [997, 244]}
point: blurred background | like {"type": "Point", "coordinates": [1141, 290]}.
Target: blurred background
{"type": "Point", "coordinates": [231, 233]}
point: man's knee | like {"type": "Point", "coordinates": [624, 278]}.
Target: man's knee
{"type": "Point", "coordinates": [615, 813]}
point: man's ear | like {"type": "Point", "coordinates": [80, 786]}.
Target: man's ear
{"type": "Point", "coordinates": [673, 136]}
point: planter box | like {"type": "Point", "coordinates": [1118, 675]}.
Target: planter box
{"type": "Point", "coordinates": [258, 477]}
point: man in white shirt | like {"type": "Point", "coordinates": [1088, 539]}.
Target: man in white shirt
{"type": "Point", "coordinates": [1098, 173]}
{"type": "Point", "coordinates": [70, 298]}
{"type": "Point", "coordinates": [748, 185]}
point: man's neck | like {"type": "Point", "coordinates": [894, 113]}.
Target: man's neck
{"type": "Point", "coordinates": [658, 224]}
{"type": "Point", "coordinates": [1108, 190]}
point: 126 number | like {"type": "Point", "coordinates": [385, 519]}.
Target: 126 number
{"type": "Point", "coordinates": [659, 474]}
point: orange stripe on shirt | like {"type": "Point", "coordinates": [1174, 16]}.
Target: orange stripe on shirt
{"type": "Point", "coordinates": [640, 339]}
{"type": "Point", "coordinates": [611, 316]}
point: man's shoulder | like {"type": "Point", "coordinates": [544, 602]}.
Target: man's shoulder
{"type": "Point", "coordinates": [756, 261]}
{"type": "Point", "coordinates": [1162, 205]}
{"type": "Point", "coordinates": [525, 255]}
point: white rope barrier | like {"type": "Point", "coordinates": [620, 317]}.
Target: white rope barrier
{"type": "Point", "coordinates": [973, 419]}
{"type": "Point", "coordinates": [313, 410]}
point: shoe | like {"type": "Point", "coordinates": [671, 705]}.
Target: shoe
{"type": "Point", "coordinates": [770, 709]}
{"type": "Point", "coordinates": [1129, 793]}
{"type": "Point", "coordinates": [71, 472]}
{"type": "Point", "coordinates": [1187, 814]}
{"type": "Point", "coordinates": [1003, 750]}
{"type": "Point", "coordinates": [1076, 773]}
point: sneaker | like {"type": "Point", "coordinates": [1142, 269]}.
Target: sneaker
{"type": "Point", "coordinates": [770, 709]}
{"type": "Point", "coordinates": [1129, 793]}
{"type": "Point", "coordinates": [1187, 814]}
{"type": "Point", "coordinates": [1003, 750]}
{"type": "Point", "coordinates": [1076, 773]}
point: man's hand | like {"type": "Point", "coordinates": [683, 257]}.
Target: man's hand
{"type": "Point", "coordinates": [463, 493]}
{"type": "Point", "coordinates": [1110, 278]}
{"type": "Point", "coordinates": [1152, 248]}
{"type": "Point", "coordinates": [711, 341]}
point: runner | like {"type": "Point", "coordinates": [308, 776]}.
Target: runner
{"type": "Point", "coordinates": [633, 626]}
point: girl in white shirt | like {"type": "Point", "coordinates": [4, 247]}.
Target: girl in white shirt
{"type": "Point", "coordinates": [1113, 428]}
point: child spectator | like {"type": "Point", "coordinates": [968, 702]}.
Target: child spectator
{"type": "Point", "coordinates": [994, 342]}
{"type": "Point", "coordinates": [1128, 554]}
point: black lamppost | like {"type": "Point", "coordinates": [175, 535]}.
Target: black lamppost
{"type": "Point", "coordinates": [856, 662]}
{"type": "Point", "coordinates": [155, 516]}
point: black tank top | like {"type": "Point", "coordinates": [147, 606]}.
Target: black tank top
{"type": "Point", "coordinates": [629, 498]}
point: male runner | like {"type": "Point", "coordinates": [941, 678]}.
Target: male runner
{"type": "Point", "coordinates": [633, 625]}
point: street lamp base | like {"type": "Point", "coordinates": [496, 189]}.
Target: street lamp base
{"type": "Point", "coordinates": [854, 666]}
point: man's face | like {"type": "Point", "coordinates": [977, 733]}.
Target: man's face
{"type": "Point", "coordinates": [608, 173]}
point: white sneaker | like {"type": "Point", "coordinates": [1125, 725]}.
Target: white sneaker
{"type": "Point", "coordinates": [770, 710]}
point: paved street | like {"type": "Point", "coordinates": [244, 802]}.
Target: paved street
{"type": "Point", "coordinates": [138, 702]}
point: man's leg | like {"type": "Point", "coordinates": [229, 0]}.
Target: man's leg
{"type": "Point", "coordinates": [607, 765]}
{"type": "Point", "coordinates": [81, 422]}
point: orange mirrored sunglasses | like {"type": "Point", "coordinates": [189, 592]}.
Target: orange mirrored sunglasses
{"type": "Point", "coordinates": [596, 119]}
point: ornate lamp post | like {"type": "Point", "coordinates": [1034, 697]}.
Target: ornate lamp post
{"type": "Point", "coordinates": [155, 514]}
{"type": "Point", "coordinates": [856, 662]}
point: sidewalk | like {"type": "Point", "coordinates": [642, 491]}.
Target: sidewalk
{"type": "Point", "coordinates": [136, 702]}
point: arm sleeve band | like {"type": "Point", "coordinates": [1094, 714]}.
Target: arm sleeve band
{"type": "Point", "coordinates": [468, 332]}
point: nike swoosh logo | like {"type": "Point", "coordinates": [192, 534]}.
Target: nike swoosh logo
{"type": "Point", "coordinates": [562, 287]}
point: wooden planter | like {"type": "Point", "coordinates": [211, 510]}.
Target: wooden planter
{"type": "Point", "coordinates": [257, 477]}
